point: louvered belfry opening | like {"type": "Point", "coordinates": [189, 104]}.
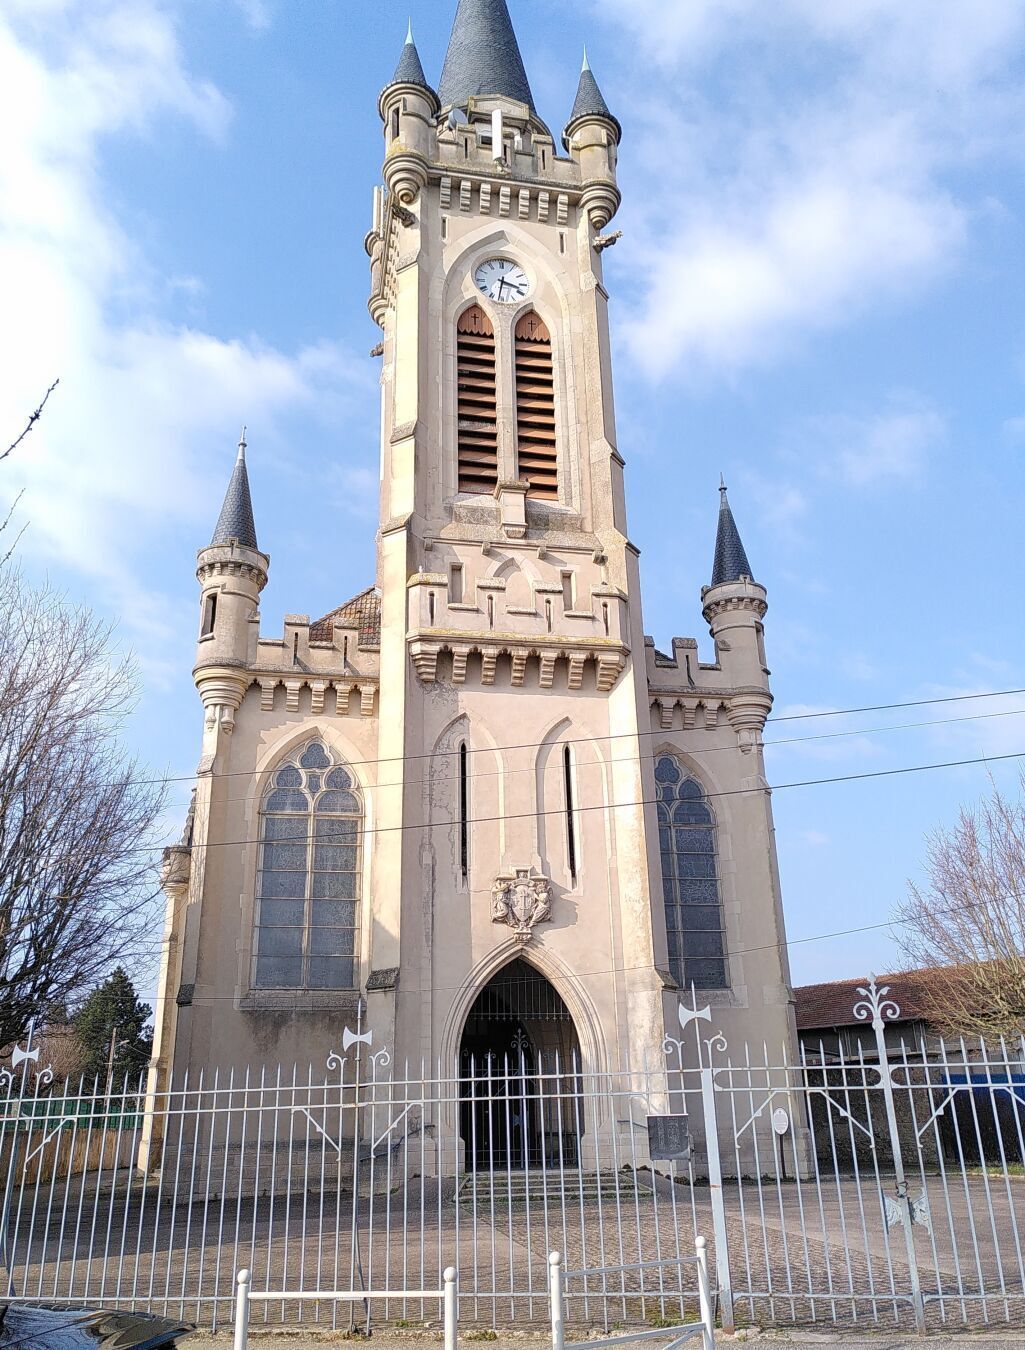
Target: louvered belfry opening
{"type": "Point", "coordinates": [535, 408]}
{"type": "Point", "coordinates": [477, 411]}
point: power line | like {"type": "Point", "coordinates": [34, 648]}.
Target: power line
{"type": "Point", "coordinates": [611, 806]}
{"type": "Point", "coordinates": [636, 759]}
{"type": "Point", "coordinates": [619, 736]}
{"type": "Point", "coordinates": [626, 970]}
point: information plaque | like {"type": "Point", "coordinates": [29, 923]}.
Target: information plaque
{"type": "Point", "coordinates": [669, 1138]}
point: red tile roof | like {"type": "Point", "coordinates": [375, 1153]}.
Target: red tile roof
{"type": "Point", "coordinates": [820, 1006]}
{"type": "Point", "coordinates": [363, 611]}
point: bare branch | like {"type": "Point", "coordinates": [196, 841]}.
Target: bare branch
{"type": "Point", "coordinates": [77, 891]}
{"type": "Point", "coordinates": [967, 925]}
{"type": "Point", "coordinates": [31, 421]}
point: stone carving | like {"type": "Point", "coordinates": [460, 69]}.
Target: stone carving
{"type": "Point", "coordinates": [522, 899]}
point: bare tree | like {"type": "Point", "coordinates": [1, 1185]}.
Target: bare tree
{"type": "Point", "coordinates": [77, 875]}
{"type": "Point", "coordinates": [29, 427]}
{"type": "Point", "coordinates": [968, 923]}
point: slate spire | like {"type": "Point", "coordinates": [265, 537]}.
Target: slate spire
{"type": "Point", "coordinates": [590, 101]}
{"type": "Point", "coordinates": [483, 56]}
{"type": "Point", "coordinates": [236, 518]}
{"type": "Point", "coordinates": [730, 558]}
{"type": "Point", "coordinates": [410, 68]}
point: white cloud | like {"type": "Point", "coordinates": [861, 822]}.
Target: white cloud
{"type": "Point", "coordinates": [817, 183]}
{"type": "Point", "coordinates": [123, 451]}
{"type": "Point", "coordinates": [892, 446]}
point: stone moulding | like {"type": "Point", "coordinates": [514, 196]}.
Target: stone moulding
{"type": "Point", "coordinates": [363, 686]}
{"type": "Point", "coordinates": [609, 659]}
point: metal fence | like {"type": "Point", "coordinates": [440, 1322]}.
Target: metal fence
{"type": "Point", "coordinates": [878, 1183]}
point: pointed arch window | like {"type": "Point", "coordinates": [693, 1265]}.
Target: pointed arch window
{"type": "Point", "coordinates": [537, 459]}
{"type": "Point", "coordinates": [308, 885]}
{"type": "Point", "coordinates": [690, 879]}
{"type": "Point", "coordinates": [477, 410]}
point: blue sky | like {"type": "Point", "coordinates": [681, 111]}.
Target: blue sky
{"type": "Point", "coordinates": [819, 292]}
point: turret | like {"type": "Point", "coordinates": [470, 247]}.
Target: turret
{"type": "Point", "coordinates": [232, 572]}
{"type": "Point", "coordinates": [592, 137]}
{"type": "Point", "coordinates": [734, 607]}
{"type": "Point", "coordinates": [408, 106]}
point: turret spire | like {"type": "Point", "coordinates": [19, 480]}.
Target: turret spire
{"type": "Point", "coordinates": [410, 68]}
{"type": "Point", "coordinates": [236, 518]}
{"type": "Point", "coordinates": [483, 56]}
{"type": "Point", "coordinates": [730, 558]}
{"type": "Point", "coordinates": [589, 102]}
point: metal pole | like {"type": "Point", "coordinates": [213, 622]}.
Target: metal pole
{"type": "Point", "coordinates": [705, 1297]}
{"type": "Point", "coordinates": [558, 1310]}
{"type": "Point", "coordinates": [242, 1310]}
{"type": "Point", "coordinates": [722, 1254]}
{"type": "Point", "coordinates": [451, 1309]}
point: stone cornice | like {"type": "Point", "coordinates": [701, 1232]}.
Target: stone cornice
{"type": "Point", "coordinates": [608, 655]}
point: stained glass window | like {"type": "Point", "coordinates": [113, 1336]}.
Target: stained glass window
{"type": "Point", "coordinates": [308, 886]}
{"type": "Point", "coordinates": [690, 879]}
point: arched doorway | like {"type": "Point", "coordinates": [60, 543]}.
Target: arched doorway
{"type": "Point", "coordinates": [519, 1059]}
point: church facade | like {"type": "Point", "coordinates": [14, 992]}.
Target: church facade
{"type": "Point", "coordinates": [474, 806]}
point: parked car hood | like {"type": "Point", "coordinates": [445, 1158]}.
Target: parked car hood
{"type": "Point", "coordinates": [50, 1327]}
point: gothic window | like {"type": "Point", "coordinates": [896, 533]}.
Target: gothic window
{"type": "Point", "coordinates": [690, 879]}
{"type": "Point", "coordinates": [477, 410]}
{"type": "Point", "coordinates": [535, 408]}
{"type": "Point", "coordinates": [308, 886]}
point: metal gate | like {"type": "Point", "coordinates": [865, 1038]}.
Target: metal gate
{"type": "Point", "coordinates": [882, 1184]}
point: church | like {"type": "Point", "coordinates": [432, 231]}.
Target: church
{"type": "Point", "coordinates": [474, 807]}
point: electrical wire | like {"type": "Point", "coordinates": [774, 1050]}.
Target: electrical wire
{"type": "Point", "coordinates": [611, 736]}
{"type": "Point", "coordinates": [608, 806]}
{"type": "Point", "coordinates": [781, 945]}
{"type": "Point", "coordinates": [637, 759]}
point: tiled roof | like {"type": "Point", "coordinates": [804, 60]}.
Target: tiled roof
{"type": "Point", "coordinates": [410, 69]}
{"type": "Point", "coordinates": [822, 1006]}
{"type": "Point", "coordinates": [730, 558]}
{"type": "Point", "coordinates": [236, 518]}
{"type": "Point", "coordinates": [483, 56]}
{"type": "Point", "coordinates": [363, 611]}
{"type": "Point", "coordinates": [590, 101]}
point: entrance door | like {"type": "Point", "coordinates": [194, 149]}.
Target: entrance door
{"type": "Point", "coordinates": [519, 1065]}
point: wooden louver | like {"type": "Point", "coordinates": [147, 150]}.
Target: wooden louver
{"type": "Point", "coordinates": [535, 408]}
{"type": "Point", "coordinates": [477, 411]}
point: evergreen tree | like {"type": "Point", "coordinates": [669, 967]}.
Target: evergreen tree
{"type": "Point", "coordinates": [114, 1012]}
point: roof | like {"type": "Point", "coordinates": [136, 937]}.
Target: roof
{"type": "Point", "coordinates": [483, 56]}
{"type": "Point", "coordinates": [590, 101]}
{"type": "Point", "coordinates": [821, 1007]}
{"type": "Point", "coordinates": [410, 68]}
{"type": "Point", "coordinates": [363, 611]}
{"type": "Point", "coordinates": [236, 518]}
{"type": "Point", "coordinates": [730, 558]}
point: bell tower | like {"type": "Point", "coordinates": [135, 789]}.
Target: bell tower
{"type": "Point", "coordinates": [512, 641]}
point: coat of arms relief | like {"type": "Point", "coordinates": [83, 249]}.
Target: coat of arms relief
{"type": "Point", "coordinates": [522, 899]}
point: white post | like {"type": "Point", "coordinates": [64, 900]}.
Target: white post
{"type": "Point", "coordinates": [555, 1288]}
{"type": "Point", "coordinates": [722, 1255]}
{"type": "Point", "coordinates": [242, 1311]}
{"type": "Point", "coordinates": [497, 135]}
{"type": "Point", "coordinates": [451, 1309]}
{"type": "Point", "coordinates": [705, 1297]}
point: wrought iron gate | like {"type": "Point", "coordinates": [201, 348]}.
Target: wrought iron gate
{"type": "Point", "coordinates": [882, 1184]}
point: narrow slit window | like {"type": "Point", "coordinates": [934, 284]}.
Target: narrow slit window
{"type": "Point", "coordinates": [209, 615]}
{"type": "Point", "coordinates": [395, 123]}
{"type": "Point", "coordinates": [535, 408]}
{"type": "Point", "coordinates": [455, 585]}
{"type": "Point", "coordinates": [571, 826]}
{"type": "Point", "coordinates": [477, 403]}
{"type": "Point", "coordinates": [464, 813]}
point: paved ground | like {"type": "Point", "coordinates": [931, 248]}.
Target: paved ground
{"type": "Point", "coordinates": [817, 1255]}
{"type": "Point", "coordinates": [530, 1341]}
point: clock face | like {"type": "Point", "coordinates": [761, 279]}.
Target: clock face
{"type": "Point", "coordinates": [502, 280]}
